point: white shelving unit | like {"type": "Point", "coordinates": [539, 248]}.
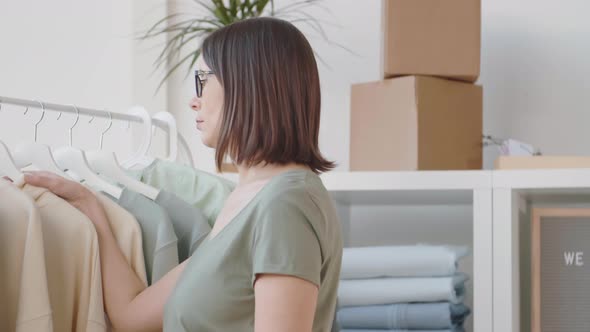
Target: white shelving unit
{"type": "Point", "coordinates": [429, 188]}
{"type": "Point", "coordinates": [512, 191]}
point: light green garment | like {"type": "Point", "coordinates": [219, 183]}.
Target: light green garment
{"type": "Point", "coordinates": [290, 227]}
{"type": "Point", "coordinates": [159, 240]}
{"type": "Point", "coordinates": [190, 225]}
{"type": "Point", "coordinates": [204, 190]}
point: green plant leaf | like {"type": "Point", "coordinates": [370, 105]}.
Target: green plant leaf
{"type": "Point", "coordinates": [221, 12]}
{"type": "Point", "coordinates": [204, 5]}
{"type": "Point", "coordinates": [193, 61]}
{"type": "Point", "coordinates": [148, 33]}
{"type": "Point", "coordinates": [245, 9]}
{"type": "Point", "coordinates": [233, 8]}
{"type": "Point", "coordinates": [184, 26]}
{"type": "Point", "coordinates": [261, 5]}
{"type": "Point", "coordinates": [175, 45]}
{"type": "Point", "coordinates": [297, 5]}
{"type": "Point", "coordinates": [173, 69]}
{"type": "Point", "coordinates": [170, 44]}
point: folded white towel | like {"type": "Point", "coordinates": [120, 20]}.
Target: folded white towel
{"type": "Point", "coordinates": [401, 290]}
{"type": "Point", "coordinates": [401, 261]}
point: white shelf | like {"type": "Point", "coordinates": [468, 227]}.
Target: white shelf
{"type": "Point", "coordinates": [417, 180]}
{"type": "Point", "coordinates": [430, 188]}
{"type": "Point", "coordinates": [406, 188]}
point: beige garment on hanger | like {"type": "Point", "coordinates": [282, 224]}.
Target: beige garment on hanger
{"type": "Point", "coordinates": [127, 233]}
{"type": "Point", "coordinates": [72, 263]}
{"type": "Point", "coordinates": [23, 281]}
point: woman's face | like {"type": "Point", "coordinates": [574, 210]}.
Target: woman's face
{"type": "Point", "coordinates": [208, 107]}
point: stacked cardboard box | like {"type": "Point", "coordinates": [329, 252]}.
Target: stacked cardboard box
{"type": "Point", "coordinates": [426, 113]}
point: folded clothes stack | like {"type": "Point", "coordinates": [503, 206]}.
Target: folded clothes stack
{"type": "Point", "coordinates": [402, 288]}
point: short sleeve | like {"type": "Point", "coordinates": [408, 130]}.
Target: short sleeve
{"type": "Point", "coordinates": [286, 243]}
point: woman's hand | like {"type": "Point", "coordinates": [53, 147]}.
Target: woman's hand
{"type": "Point", "coordinates": [73, 192]}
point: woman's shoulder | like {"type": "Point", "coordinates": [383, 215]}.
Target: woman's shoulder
{"type": "Point", "coordinates": [301, 199]}
{"type": "Point", "coordinates": [299, 194]}
{"type": "Point", "coordinates": [301, 188]}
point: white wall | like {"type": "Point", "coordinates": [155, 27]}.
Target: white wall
{"type": "Point", "coordinates": [535, 73]}
{"type": "Point", "coordinates": [75, 52]}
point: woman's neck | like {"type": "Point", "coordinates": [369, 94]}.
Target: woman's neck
{"type": "Point", "coordinates": [263, 172]}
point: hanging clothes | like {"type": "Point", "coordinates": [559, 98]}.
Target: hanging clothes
{"type": "Point", "coordinates": [127, 232]}
{"type": "Point", "coordinates": [72, 263]}
{"type": "Point", "coordinates": [23, 281]}
{"type": "Point", "coordinates": [160, 250]}
{"type": "Point", "coordinates": [190, 224]}
{"type": "Point", "coordinates": [200, 189]}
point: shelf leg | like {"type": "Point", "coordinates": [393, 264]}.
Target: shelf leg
{"type": "Point", "coordinates": [506, 271]}
{"type": "Point", "coordinates": [482, 261]}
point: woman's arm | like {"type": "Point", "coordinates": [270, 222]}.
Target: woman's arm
{"type": "Point", "coordinates": [129, 305]}
{"type": "Point", "coordinates": [284, 303]}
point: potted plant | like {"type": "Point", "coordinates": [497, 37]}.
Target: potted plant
{"type": "Point", "coordinates": [183, 28]}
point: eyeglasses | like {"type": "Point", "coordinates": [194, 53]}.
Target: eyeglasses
{"type": "Point", "coordinates": [200, 80]}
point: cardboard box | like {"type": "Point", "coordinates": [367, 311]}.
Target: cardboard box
{"type": "Point", "coordinates": [541, 162]}
{"type": "Point", "coordinates": [432, 37]}
{"type": "Point", "coordinates": [416, 123]}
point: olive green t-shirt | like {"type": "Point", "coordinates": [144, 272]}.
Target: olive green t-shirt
{"type": "Point", "coordinates": [291, 228]}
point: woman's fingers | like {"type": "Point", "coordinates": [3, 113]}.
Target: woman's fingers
{"type": "Point", "coordinates": [60, 186]}
{"type": "Point", "coordinates": [73, 192]}
{"type": "Point", "coordinates": [42, 179]}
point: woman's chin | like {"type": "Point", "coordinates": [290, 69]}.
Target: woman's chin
{"type": "Point", "coordinates": [207, 142]}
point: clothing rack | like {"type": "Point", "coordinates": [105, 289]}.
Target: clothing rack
{"type": "Point", "coordinates": [82, 110]}
{"type": "Point", "coordinates": [92, 112]}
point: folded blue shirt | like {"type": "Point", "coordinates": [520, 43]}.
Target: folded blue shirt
{"type": "Point", "coordinates": [425, 316]}
{"type": "Point", "coordinates": [453, 330]}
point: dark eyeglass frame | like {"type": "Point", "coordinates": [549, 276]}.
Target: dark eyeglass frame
{"type": "Point", "coordinates": [200, 80]}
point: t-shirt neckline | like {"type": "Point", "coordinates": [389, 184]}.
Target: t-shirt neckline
{"type": "Point", "coordinates": [253, 200]}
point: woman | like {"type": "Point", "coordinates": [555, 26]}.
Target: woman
{"type": "Point", "coordinates": [272, 260]}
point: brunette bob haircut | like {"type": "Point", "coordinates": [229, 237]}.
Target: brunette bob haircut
{"type": "Point", "coordinates": [271, 106]}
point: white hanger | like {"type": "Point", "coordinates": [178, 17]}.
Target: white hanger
{"type": "Point", "coordinates": [36, 154]}
{"type": "Point", "coordinates": [147, 137]}
{"type": "Point", "coordinates": [172, 140]}
{"type": "Point", "coordinates": [7, 165]}
{"type": "Point", "coordinates": [105, 163]}
{"type": "Point", "coordinates": [172, 134]}
{"type": "Point", "coordinates": [72, 159]}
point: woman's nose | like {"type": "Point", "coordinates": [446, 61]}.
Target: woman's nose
{"type": "Point", "coordinates": [195, 104]}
